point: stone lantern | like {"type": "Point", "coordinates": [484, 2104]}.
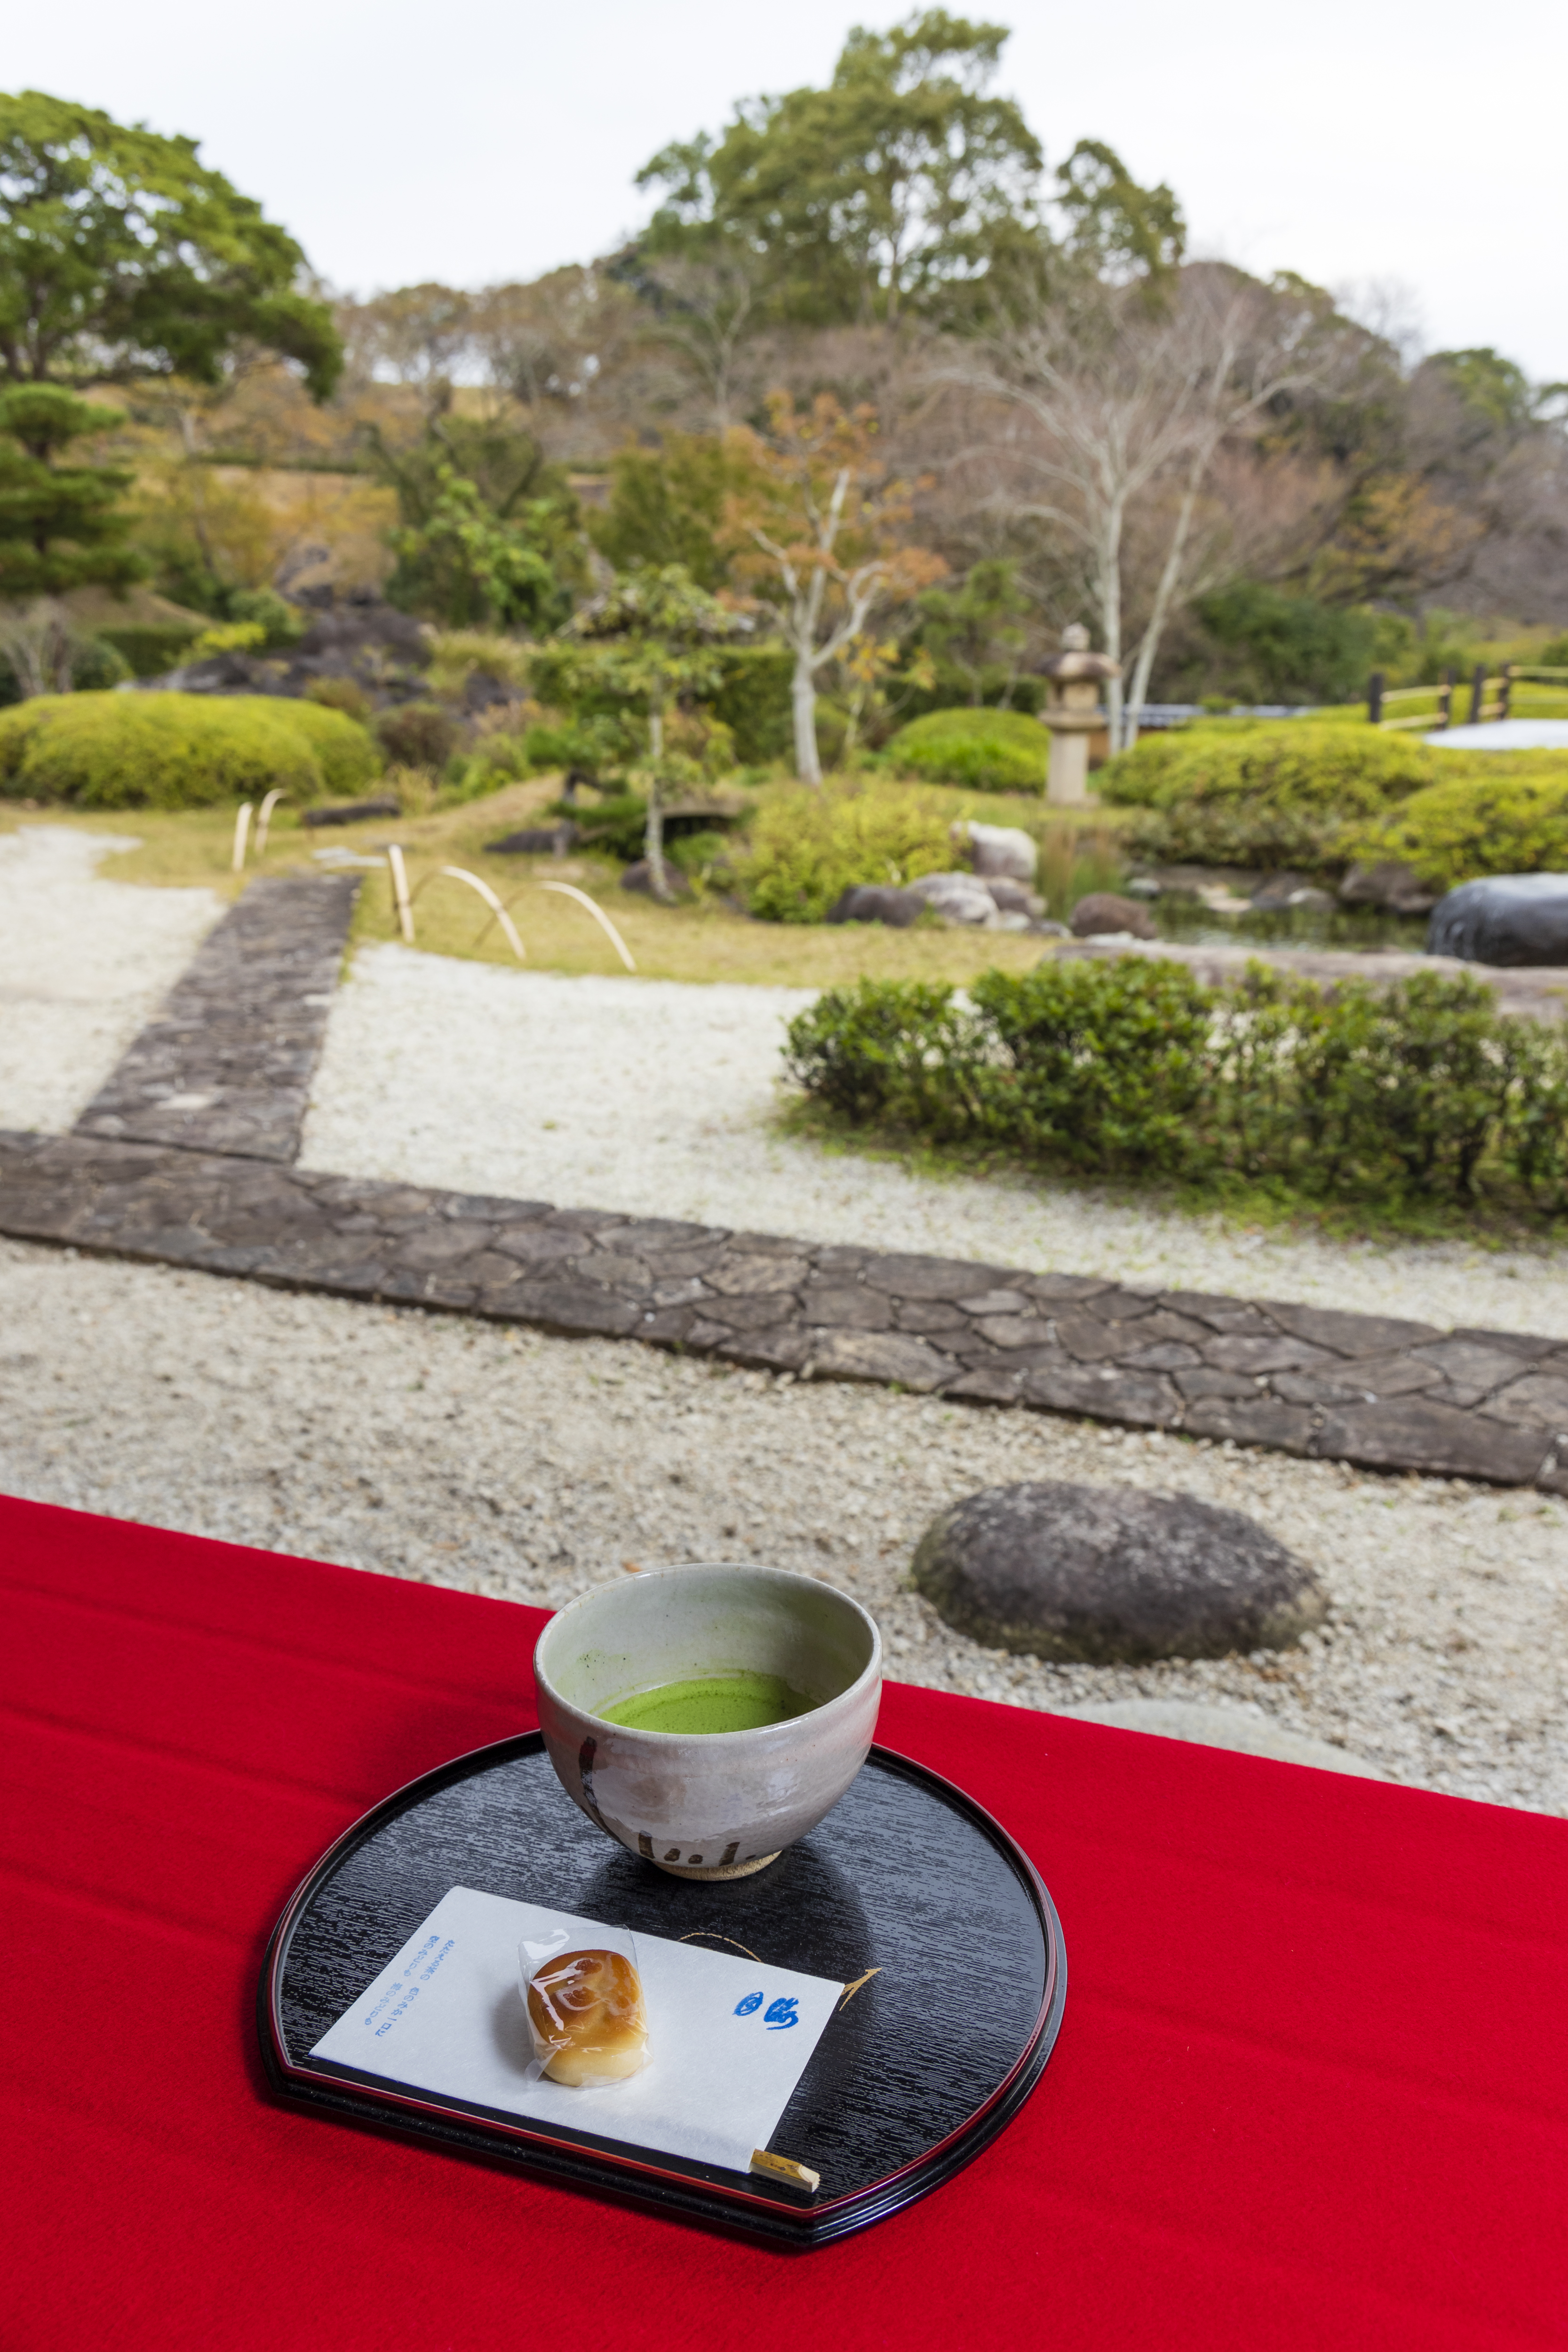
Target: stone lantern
{"type": "Point", "coordinates": [1072, 712]}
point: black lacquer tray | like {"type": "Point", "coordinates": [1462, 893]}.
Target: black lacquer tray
{"type": "Point", "coordinates": [919, 2070]}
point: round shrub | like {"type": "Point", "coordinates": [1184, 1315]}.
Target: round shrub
{"type": "Point", "coordinates": [418, 735]}
{"type": "Point", "coordinates": [1261, 797]}
{"type": "Point", "coordinates": [808, 846]}
{"type": "Point", "coordinates": [990, 750]}
{"type": "Point", "coordinates": [178, 750]}
{"type": "Point", "coordinates": [1502, 815]}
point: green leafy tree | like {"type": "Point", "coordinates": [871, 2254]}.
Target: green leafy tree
{"type": "Point", "coordinates": [978, 626]}
{"type": "Point", "coordinates": [906, 184]}
{"type": "Point", "coordinates": [651, 643]}
{"type": "Point", "coordinates": [122, 257]}
{"type": "Point", "coordinates": [1115, 227]}
{"type": "Point", "coordinates": [1496, 391]}
{"type": "Point", "coordinates": [667, 505]}
{"type": "Point", "coordinates": [61, 527]}
{"type": "Point", "coordinates": [487, 533]}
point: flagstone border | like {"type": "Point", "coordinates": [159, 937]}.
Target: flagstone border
{"type": "Point", "coordinates": [1370, 1389]}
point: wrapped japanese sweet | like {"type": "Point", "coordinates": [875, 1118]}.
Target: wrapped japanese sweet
{"type": "Point", "coordinates": [587, 2016]}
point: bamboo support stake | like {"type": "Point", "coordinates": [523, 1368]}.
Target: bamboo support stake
{"type": "Point", "coordinates": [599, 916]}
{"type": "Point", "coordinates": [241, 833]}
{"type": "Point", "coordinates": [497, 912]}
{"type": "Point", "coordinates": [400, 898]}
{"type": "Point", "coordinates": [263, 818]}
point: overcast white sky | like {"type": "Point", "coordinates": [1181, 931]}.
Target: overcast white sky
{"type": "Point", "coordinates": [1354, 141]}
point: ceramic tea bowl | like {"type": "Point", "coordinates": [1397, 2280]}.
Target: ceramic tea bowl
{"type": "Point", "coordinates": [716, 1804]}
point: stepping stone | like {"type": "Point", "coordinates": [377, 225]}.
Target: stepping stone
{"type": "Point", "coordinates": [1111, 1573]}
{"type": "Point", "coordinates": [1222, 1726]}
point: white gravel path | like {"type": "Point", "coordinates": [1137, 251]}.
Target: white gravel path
{"type": "Point", "coordinates": [83, 962]}
{"type": "Point", "coordinates": [655, 1097]}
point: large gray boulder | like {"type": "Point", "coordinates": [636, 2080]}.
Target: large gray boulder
{"type": "Point", "coordinates": [1111, 1574]}
{"type": "Point", "coordinates": [1508, 919]}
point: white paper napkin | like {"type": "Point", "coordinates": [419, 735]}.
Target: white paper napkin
{"type": "Point", "coordinates": [728, 2037]}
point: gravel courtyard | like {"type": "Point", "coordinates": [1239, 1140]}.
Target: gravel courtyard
{"type": "Point", "coordinates": [653, 1098]}
{"type": "Point", "coordinates": [83, 963]}
{"type": "Point", "coordinates": [462, 1453]}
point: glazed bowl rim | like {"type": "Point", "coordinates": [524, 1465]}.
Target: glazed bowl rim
{"type": "Point", "coordinates": [762, 1734]}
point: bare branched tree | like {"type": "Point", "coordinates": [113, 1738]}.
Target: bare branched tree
{"type": "Point", "coordinates": [708, 308]}
{"type": "Point", "coordinates": [1113, 410]}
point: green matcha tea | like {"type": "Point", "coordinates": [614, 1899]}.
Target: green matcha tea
{"type": "Point", "coordinates": [717, 1703]}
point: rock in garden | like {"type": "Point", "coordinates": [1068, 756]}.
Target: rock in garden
{"type": "Point", "coordinates": [1391, 884]}
{"type": "Point", "coordinates": [878, 902]}
{"type": "Point", "coordinates": [349, 812]}
{"type": "Point", "coordinates": [1277, 892]}
{"type": "Point", "coordinates": [1111, 1574]}
{"type": "Point", "coordinates": [538, 841]}
{"type": "Point", "coordinates": [1103, 911]}
{"type": "Point", "coordinates": [1014, 897]}
{"type": "Point", "coordinates": [958, 899]}
{"type": "Point", "coordinates": [1005, 850]}
{"type": "Point", "coordinates": [1510, 918]}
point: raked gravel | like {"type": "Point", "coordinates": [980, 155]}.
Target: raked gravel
{"type": "Point", "coordinates": [656, 1098]}
{"type": "Point", "coordinates": [464, 1453]}
{"type": "Point", "coordinates": [83, 962]}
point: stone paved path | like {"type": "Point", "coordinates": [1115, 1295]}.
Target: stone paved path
{"type": "Point", "coordinates": [1358, 1388]}
{"type": "Point", "coordinates": [184, 1158]}
{"type": "Point", "coordinates": [227, 1066]}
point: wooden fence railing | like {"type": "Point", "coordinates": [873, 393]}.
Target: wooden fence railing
{"type": "Point", "coordinates": [1490, 697]}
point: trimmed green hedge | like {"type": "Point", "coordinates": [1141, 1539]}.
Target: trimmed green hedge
{"type": "Point", "coordinates": [990, 750]}
{"type": "Point", "coordinates": [1418, 1092]}
{"type": "Point", "coordinates": [179, 751]}
{"type": "Point", "coordinates": [1512, 817]}
{"type": "Point", "coordinates": [1261, 796]}
{"type": "Point", "coordinates": [149, 648]}
{"type": "Point", "coordinates": [808, 846]}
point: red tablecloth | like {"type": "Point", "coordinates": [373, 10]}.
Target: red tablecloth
{"type": "Point", "coordinates": [1311, 2089]}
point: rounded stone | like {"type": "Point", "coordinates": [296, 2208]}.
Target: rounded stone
{"type": "Point", "coordinates": [1503, 918]}
{"type": "Point", "coordinates": [1104, 911]}
{"type": "Point", "coordinates": [1112, 1575]}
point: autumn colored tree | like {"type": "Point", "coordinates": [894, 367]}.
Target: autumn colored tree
{"type": "Point", "coordinates": [819, 532]}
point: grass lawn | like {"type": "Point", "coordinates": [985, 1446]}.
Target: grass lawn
{"type": "Point", "coordinates": [703, 941]}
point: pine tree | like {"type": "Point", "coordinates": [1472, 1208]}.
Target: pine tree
{"type": "Point", "coordinates": [61, 526]}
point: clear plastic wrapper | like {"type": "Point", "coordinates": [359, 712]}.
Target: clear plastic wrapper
{"type": "Point", "coordinates": [587, 2018]}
